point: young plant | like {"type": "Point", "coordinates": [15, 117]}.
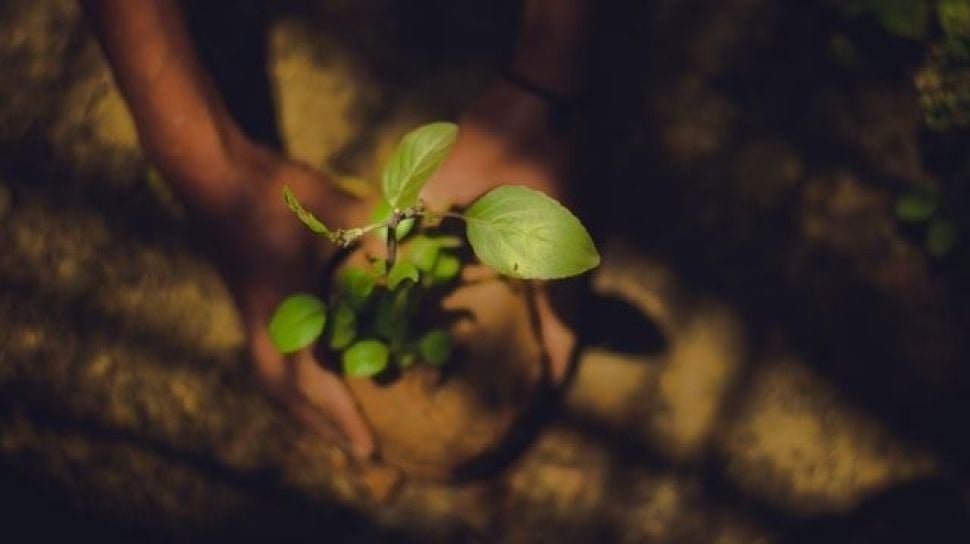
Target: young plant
{"type": "Point", "coordinates": [372, 317]}
{"type": "Point", "coordinates": [941, 234]}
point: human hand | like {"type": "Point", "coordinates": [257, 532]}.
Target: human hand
{"type": "Point", "coordinates": [506, 138]}
{"type": "Point", "coordinates": [265, 254]}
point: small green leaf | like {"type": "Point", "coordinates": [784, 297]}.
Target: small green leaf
{"type": "Point", "coordinates": [414, 161]}
{"type": "Point", "coordinates": [904, 18]}
{"type": "Point", "coordinates": [382, 211]}
{"type": "Point", "coordinates": [308, 218]}
{"type": "Point", "coordinates": [435, 347]}
{"type": "Point", "coordinates": [357, 285]}
{"type": "Point", "coordinates": [954, 17]}
{"type": "Point", "coordinates": [391, 317]}
{"type": "Point", "coordinates": [403, 228]}
{"type": "Point", "coordinates": [384, 322]}
{"type": "Point", "coordinates": [343, 324]}
{"type": "Point", "coordinates": [365, 358]}
{"type": "Point", "coordinates": [402, 270]}
{"type": "Point", "coordinates": [941, 237]}
{"type": "Point", "coordinates": [916, 207]}
{"type": "Point", "coordinates": [523, 233]}
{"type": "Point", "coordinates": [407, 360]}
{"type": "Point", "coordinates": [423, 252]}
{"type": "Point", "coordinates": [447, 241]}
{"type": "Point", "coordinates": [380, 267]}
{"type": "Point", "coordinates": [446, 268]}
{"type": "Point", "coordinates": [297, 322]}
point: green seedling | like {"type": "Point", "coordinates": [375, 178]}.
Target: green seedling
{"type": "Point", "coordinates": [370, 319]}
{"type": "Point", "coordinates": [923, 208]}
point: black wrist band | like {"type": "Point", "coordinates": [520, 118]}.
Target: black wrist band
{"type": "Point", "coordinates": [553, 98]}
{"type": "Point", "coordinates": [561, 108]}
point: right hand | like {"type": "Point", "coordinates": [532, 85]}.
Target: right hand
{"type": "Point", "coordinates": [265, 254]}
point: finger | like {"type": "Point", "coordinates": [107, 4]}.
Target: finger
{"type": "Point", "coordinates": [559, 340]}
{"type": "Point", "coordinates": [272, 372]}
{"type": "Point", "coordinates": [313, 420]}
{"type": "Point", "coordinates": [326, 392]}
{"type": "Point", "coordinates": [316, 397]}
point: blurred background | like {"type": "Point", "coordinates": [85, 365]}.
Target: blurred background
{"type": "Point", "coordinates": [781, 193]}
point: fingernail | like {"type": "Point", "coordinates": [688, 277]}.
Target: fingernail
{"type": "Point", "coordinates": [365, 453]}
{"type": "Point", "coordinates": [382, 481]}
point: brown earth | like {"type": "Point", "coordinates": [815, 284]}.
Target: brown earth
{"type": "Point", "coordinates": [773, 357]}
{"type": "Point", "coordinates": [439, 425]}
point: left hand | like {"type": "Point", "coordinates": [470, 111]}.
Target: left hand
{"type": "Point", "coordinates": [506, 138]}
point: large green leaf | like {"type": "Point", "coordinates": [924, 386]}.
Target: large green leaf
{"type": "Point", "coordinates": [365, 358]}
{"type": "Point", "coordinates": [523, 233]}
{"type": "Point", "coordinates": [308, 218]}
{"type": "Point", "coordinates": [416, 158]}
{"type": "Point", "coordinates": [297, 322]}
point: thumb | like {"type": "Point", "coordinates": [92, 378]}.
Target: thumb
{"type": "Point", "coordinates": [315, 396]}
{"type": "Point", "coordinates": [327, 394]}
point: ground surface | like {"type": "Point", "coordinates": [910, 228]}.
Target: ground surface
{"type": "Point", "coordinates": [783, 361]}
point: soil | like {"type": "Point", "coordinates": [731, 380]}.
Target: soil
{"type": "Point", "coordinates": [443, 425]}
{"type": "Point", "coordinates": [770, 356]}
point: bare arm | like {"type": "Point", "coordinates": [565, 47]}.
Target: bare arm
{"type": "Point", "coordinates": [552, 42]}
{"type": "Point", "coordinates": [188, 133]}
{"type": "Point", "coordinates": [185, 128]}
{"type": "Point", "coordinates": [233, 186]}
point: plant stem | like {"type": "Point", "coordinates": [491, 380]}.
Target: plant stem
{"type": "Point", "coordinates": [346, 237]}
{"type": "Point", "coordinates": [391, 250]}
{"type": "Point", "coordinates": [454, 215]}
{"type": "Point", "coordinates": [435, 215]}
{"type": "Point", "coordinates": [373, 226]}
{"type": "Point", "coordinates": [392, 238]}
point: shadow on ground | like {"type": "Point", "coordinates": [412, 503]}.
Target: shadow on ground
{"type": "Point", "coordinates": [771, 356]}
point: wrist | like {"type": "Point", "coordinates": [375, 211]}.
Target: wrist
{"type": "Point", "coordinates": [212, 183]}
{"type": "Point", "coordinates": [558, 111]}
{"type": "Point", "coordinates": [551, 45]}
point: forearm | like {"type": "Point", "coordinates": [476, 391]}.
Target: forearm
{"type": "Point", "coordinates": [552, 43]}
{"type": "Point", "coordinates": [182, 122]}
